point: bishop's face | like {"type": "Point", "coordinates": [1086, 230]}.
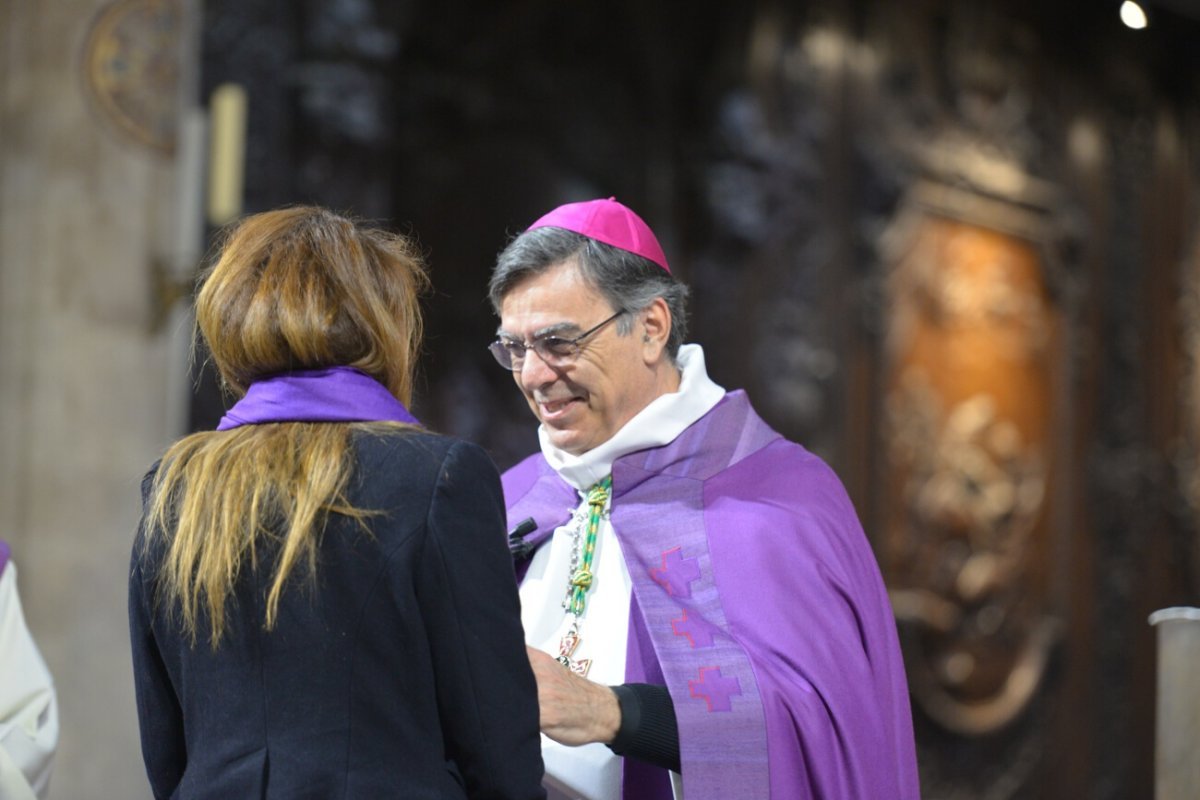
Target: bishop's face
{"type": "Point", "coordinates": [581, 403]}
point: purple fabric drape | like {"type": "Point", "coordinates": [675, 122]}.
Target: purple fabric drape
{"type": "Point", "coordinates": [757, 598]}
{"type": "Point", "coordinates": [336, 394]}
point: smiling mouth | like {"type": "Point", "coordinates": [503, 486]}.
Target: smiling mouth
{"type": "Point", "coordinates": [553, 409]}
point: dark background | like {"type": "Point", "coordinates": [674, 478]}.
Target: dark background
{"type": "Point", "coordinates": [772, 145]}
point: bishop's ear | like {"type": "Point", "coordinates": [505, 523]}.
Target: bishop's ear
{"type": "Point", "coordinates": [654, 327]}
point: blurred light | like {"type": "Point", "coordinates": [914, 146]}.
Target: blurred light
{"type": "Point", "coordinates": [1133, 15]}
{"type": "Point", "coordinates": [1085, 142]}
{"type": "Point", "coordinates": [825, 47]}
{"type": "Point", "coordinates": [227, 153]}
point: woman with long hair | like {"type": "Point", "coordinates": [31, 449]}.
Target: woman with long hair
{"type": "Point", "coordinates": [321, 601]}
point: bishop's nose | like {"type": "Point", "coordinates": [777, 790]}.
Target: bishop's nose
{"type": "Point", "coordinates": [535, 371]}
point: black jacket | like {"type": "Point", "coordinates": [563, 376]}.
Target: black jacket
{"type": "Point", "coordinates": [402, 675]}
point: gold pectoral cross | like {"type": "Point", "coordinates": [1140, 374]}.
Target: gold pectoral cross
{"type": "Point", "coordinates": [566, 648]}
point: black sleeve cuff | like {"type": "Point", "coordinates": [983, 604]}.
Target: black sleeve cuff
{"type": "Point", "coordinates": [648, 730]}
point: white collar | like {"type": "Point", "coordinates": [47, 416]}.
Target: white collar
{"type": "Point", "coordinates": [654, 426]}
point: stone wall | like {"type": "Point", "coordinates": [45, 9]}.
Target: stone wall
{"type": "Point", "coordinates": [91, 389]}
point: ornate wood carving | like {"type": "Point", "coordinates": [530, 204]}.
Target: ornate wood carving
{"type": "Point", "coordinates": [974, 350]}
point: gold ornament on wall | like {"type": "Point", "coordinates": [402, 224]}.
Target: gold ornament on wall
{"type": "Point", "coordinates": [131, 69]}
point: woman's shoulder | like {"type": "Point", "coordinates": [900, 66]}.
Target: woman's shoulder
{"type": "Point", "coordinates": [414, 448]}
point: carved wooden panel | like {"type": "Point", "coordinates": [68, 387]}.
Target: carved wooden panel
{"type": "Point", "coordinates": [974, 351]}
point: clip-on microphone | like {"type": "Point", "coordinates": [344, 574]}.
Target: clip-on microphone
{"type": "Point", "coordinates": [517, 546]}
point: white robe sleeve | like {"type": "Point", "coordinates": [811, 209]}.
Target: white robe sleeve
{"type": "Point", "coordinates": [28, 706]}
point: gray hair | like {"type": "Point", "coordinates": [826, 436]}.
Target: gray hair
{"type": "Point", "coordinates": [628, 281]}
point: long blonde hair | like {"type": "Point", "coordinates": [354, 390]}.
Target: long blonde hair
{"type": "Point", "coordinates": [298, 288]}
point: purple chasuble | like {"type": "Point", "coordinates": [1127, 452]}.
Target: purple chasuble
{"type": "Point", "coordinates": [335, 394]}
{"type": "Point", "coordinates": [758, 601]}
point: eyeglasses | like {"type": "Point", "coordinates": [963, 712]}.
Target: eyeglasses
{"type": "Point", "coordinates": [554, 350]}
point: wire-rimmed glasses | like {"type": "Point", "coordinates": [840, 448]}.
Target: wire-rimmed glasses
{"type": "Point", "coordinates": [556, 351]}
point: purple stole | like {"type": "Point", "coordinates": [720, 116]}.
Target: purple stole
{"type": "Point", "coordinates": [677, 626]}
{"type": "Point", "coordinates": [5, 552]}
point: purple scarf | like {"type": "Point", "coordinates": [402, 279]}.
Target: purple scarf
{"type": "Point", "coordinates": [336, 394]}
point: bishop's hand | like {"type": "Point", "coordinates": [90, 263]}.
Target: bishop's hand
{"type": "Point", "coordinates": [574, 710]}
